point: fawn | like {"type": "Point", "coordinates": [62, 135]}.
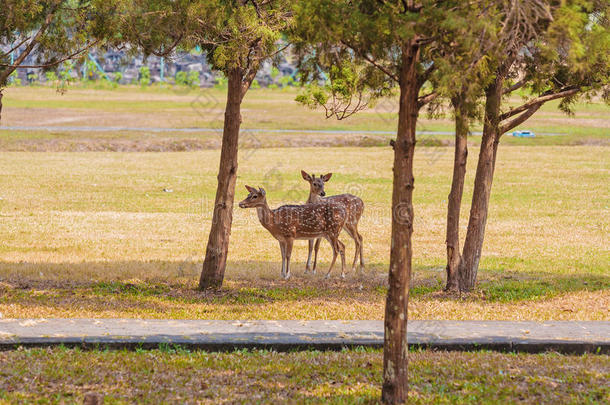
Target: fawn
{"type": "Point", "coordinates": [289, 222]}
{"type": "Point", "coordinates": [353, 206]}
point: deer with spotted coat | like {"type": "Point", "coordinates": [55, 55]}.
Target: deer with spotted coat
{"type": "Point", "coordinates": [354, 207]}
{"type": "Point", "coordinates": [322, 219]}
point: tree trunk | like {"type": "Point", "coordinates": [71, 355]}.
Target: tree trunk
{"type": "Point", "coordinates": [395, 349]}
{"type": "Point", "coordinates": [215, 261]}
{"type": "Point", "coordinates": [455, 195]}
{"type": "Point", "coordinates": [1, 95]}
{"type": "Point", "coordinates": [473, 244]}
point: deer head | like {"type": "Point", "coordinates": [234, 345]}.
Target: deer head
{"type": "Point", "coordinates": [256, 198]}
{"type": "Point", "coordinates": [316, 184]}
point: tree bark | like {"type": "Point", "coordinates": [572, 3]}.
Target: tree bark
{"type": "Point", "coordinates": [1, 95]}
{"type": "Point", "coordinates": [455, 195]}
{"type": "Point", "coordinates": [215, 261]}
{"type": "Point", "coordinates": [395, 349]}
{"type": "Point", "coordinates": [473, 244]}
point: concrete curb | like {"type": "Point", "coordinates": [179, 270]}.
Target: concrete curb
{"type": "Point", "coordinates": [572, 337]}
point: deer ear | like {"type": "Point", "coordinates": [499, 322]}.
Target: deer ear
{"type": "Point", "coordinates": [250, 189]}
{"type": "Point", "coordinates": [305, 175]}
{"type": "Point", "coordinates": [326, 177]}
{"type": "Point", "coordinates": [261, 190]}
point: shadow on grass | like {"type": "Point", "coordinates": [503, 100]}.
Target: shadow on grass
{"type": "Point", "coordinates": [519, 286]}
{"type": "Point", "coordinates": [149, 284]}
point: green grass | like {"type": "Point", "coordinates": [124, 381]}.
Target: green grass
{"type": "Point", "coordinates": [174, 375]}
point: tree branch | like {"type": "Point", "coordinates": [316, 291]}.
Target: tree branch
{"type": "Point", "coordinates": [426, 75]}
{"type": "Point", "coordinates": [519, 119]}
{"type": "Point", "coordinates": [54, 63]}
{"type": "Point", "coordinates": [34, 40]}
{"type": "Point", "coordinates": [11, 68]}
{"type": "Point", "coordinates": [16, 46]}
{"type": "Point", "coordinates": [515, 86]}
{"type": "Point", "coordinates": [540, 100]}
{"type": "Point", "coordinates": [423, 100]}
{"type": "Point", "coordinates": [169, 50]}
{"type": "Point", "coordinates": [372, 62]}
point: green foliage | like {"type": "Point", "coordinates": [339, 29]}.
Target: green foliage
{"type": "Point", "coordinates": [65, 75]}
{"type": "Point", "coordinates": [181, 78]}
{"type": "Point", "coordinates": [351, 51]}
{"type": "Point", "coordinates": [274, 72]}
{"type": "Point", "coordinates": [285, 81]}
{"type": "Point", "coordinates": [573, 52]}
{"type": "Point", "coordinates": [91, 71]}
{"type": "Point", "coordinates": [190, 79]}
{"type": "Point", "coordinates": [64, 28]}
{"type": "Point", "coordinates": [144, 76]}
{"type": "Point", "coordinates": [220, 81]}
{"type": "Point", "coordinates": [51, 77]}
{"type": "Point", "coordinates": [32, 77]}
{"type": "Point", "coordinates": [14, 79]}
{"type": "Point", "coordinates": [349, 87]}
{"type": "Point", "coordinates": [193, 79]}
{"type": "Point", "coordinates": [233, 35]}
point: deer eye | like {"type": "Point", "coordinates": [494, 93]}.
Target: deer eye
{"type": "Point", "coordinates": [254, 196]}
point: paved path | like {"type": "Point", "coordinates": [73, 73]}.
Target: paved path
{"type": "Point", "coordinates": [562, 336]}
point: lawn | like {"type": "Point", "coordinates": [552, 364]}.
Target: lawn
{"type": "Point", "coordinates": [263, 109]}
{"type": "Point", "coordinates": [174, 375]}
{"type": "Point", "coordinates": [123, 235]}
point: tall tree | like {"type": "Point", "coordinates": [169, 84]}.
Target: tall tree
{"type": "Point", "coordinates": [554, 50]}
{"type": "Point", "coordinates": [458, 80]}
{"type": "Point", "coordinates": [237, 36]}
{"type": "Point", "coordinates": [48, 31]}
{"type": "Point", "coordinates": [365, 47]}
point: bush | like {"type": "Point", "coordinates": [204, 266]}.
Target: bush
{"type": "Point", "coordinates": [220, 82]}
{"type": "Point", "coordinates": [190, 79]}
{"type": "Point", "coordinates": [51, 77]}
{"type": "Point", "coordinates": [14, 79]}
{"type": "Point", "coordinates": [193, 79]}
{"type": "Point", "coordinates": [144, 79]}
{"type": "Point", "coordinates": [32, 78]}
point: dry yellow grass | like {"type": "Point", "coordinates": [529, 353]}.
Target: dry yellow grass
{"type": "Point", "coordinates": [91, 218]}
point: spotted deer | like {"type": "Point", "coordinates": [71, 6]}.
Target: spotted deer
{"type": "Point", "coordinates": [289, 222]}
{"type": "Point", "coordinates": [354, 207]}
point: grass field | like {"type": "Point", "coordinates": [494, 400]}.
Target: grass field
{"type": "Point", "coordinates": [262, 109]}
{"type": "Point", "coordinates": [173, 375]}
{"type": "Point", "coordinates": [95, 234]}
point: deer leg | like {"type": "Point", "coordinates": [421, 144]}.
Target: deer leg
{"type": "Point", "coordinates": [288, 249]}
{"type": "Point", "coordinates": [315, 256]}
{"type": "Point", "coordinates": [359, 246]}
{"type": "Point", "coordinates": [341, 247]}
{"type": "Point", "coordinates": [283, 249]}
{"type": "Point", "coordinates": [309, 252]}
{"type": "Point", "coordinates": [333, 243]}
{"type": "Point", "coordinates": [349, 228]}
